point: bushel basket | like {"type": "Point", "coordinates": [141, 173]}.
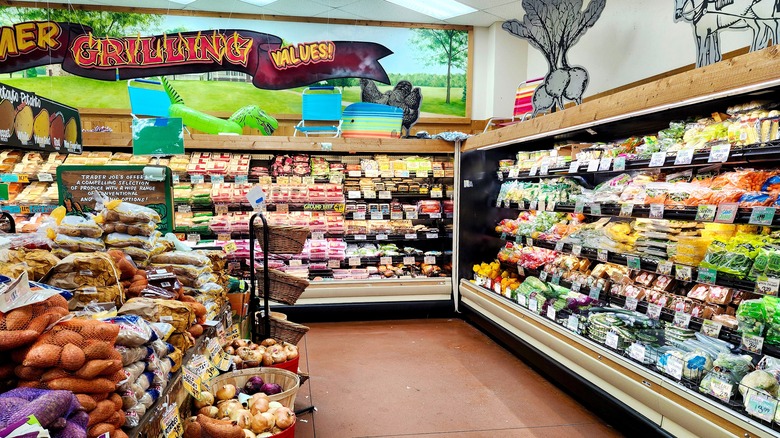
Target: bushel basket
{"type": "Point", "coordinates": [283, 239]}
{"type": "Point", "coordinates": [285, 288]}
{"type": "Point", "coordinates": [290, 382]}
{"type": "Point", "coordinates": [281, 330]}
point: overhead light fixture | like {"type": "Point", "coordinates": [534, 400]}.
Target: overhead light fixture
{"type": "Point", "coordinates": [441, 9]}
{"type": "Point", "coordinates": [258, 2]}
{"type": "Point", "coordinates": [182, 2]}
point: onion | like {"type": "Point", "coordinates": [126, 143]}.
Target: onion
{"type": "Point", "coordinates": [249, 434]}
{"type": "Point", "coordinates": [265, 435]}
{"type": "Point", "coordinates": [258, 405]}
{"type": "Point", "coordinates": [291, 351]}
{"type": "Point", "coordinates": [242, 417]}
{"type": "Point", "coordinates": [260, 423]}
{"type": "Point", "coordinates": [279, 357]}
{"type": "Point", "coordinates": [267, 359]}
{"type": "Point", "coordinates": [253, 385]}
{"type": "Point", "coordinates": [268, 342]}
{"type": "Point", "coordinates": [209, 411]}
{"type": "Point", "coordinates": [206, 399]}
{"type": "Point", "coordinates": [273, 349]}
{"type": "Point", "coordinates": [270, 420]}
{"type": "Point", "coordinates": [254, 356]}
{"type": "Point", "coordinates": [284, 417]}
{"type": "Point", "coordinates": [241, 343]}
{"type": "Point", "coordinates": [230, 350]}
{"type": "Point", "coordinates": [271, 388]}
{"type": "Point", "coordinates": [274, 405]}
{"type": "Point", "coordinates": [243, 352]}
{"type": "Point", "coordinates": [228, 407]}
{"type": "Point", "coordinates": [226, 392]}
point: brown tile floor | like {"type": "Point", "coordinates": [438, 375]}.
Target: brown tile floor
{"type": "Point", "coordinates": [428, 378]}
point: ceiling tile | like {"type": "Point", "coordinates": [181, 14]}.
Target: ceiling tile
{"type": "Point", "coordinates": [335, 3]}
{"type": "Point", "coordinates": [385, 11]}
{"type": "Point", "coordinates": [485, 4]}
{"type": "Point", "coordinates": [508, 11]}
{"type": "Point", "coordinates": [42, 4]}
{"type": "Point", "coordinates": [230, 7]}
{"type": "Point", "coordinates": [340, 14]}
{"type": "Point", "coordinates": [301, 8]}
{"type": "Point", "coordinates": [478, 18]}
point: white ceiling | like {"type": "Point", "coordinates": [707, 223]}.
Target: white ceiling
{"type": "Point", "coordinates": [488, 11]}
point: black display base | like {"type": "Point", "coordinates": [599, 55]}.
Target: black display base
{"type": "Point", "coordinates": [614, 412]}
{"type": "Point", "coordinates": [305, 313]}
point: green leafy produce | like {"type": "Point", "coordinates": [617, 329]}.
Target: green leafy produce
{"type": "Point", "coordinates": [752, 317]}
{"type": "Point", "coordinates": [761, 381]}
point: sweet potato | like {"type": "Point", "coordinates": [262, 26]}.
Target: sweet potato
{"type": "Point", "coordinates": [72, 357]}
{"type": "Point", "coordinates": [118, 433]}
{"type": "Point", "coordinates": [199, 309]}
{"type": "Point", "coordinates": [93, 368]}
{"type": "Point", "coordinates": [63, 337]}
{"type": "Point", "coordinates": [117, 399]}
{"type": "Point", "coordinates": [87, 403]}
{"type": "Point", "coordinates": [218, 428]}
{"type": "Point", "coordinates": [57, 301]}
{"type": "Point", "coordinates": [196, 330]}
{"type": "Point", "coordinates": [117, 377]}
{"type": "Point", "coordinates": [43, 356]}
{"type": "Point", "coordinates": [100, 396]}
{"type": "Point", "coordinates": [18, 319]}
{"type": "Point", "coordinates": [54, 373]}
{"type": "Point", "coordinates": [82, 386]}
{"type": "Point", "coordinates": [116, 420]}
{"type": "Point", "coordinates": [18, 354]}
{"type": "Point", "coordinates": [7, 371]}
{"type": "Point", "coordinates": [99, 429]}
{"type": "Point", "coordinates": [102, 413]}
{"type": "Point", "coordinates": [28, 373]}
{"type": "Point", "coordinates": [98, 350]}
{"type": "Point", "coordinates": [192, 430]}
{"type": "Point", "coordinates": [187, 299]}
{"type": "Point", "coordinates": [39, 323]}
{"type": "Point", "coordinates": [17, 338]}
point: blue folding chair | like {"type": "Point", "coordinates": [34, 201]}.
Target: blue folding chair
{"type": "Point", "coordinates": [147, 101]}
{"type": "Point", "coordinates": [321, 114]}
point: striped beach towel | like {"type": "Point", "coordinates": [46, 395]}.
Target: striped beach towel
{"type": "Point", "coordinates": [364, 119]}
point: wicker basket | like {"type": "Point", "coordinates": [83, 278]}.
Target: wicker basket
{"type": "Point", "coordinates": [283, 239]}
{"type": "Point", "coordinates": [290, 382]}
{"type": "Point", "coordinates": [282, 330]}
{"type": "Point", "coordinates": [285, 288]}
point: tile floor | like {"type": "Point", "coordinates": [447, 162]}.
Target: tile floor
{"type": "Point", "coordinates": [428, 378]}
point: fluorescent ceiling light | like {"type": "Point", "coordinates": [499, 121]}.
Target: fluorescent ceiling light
{"type": "Point", "coordinates": [441, 9]}
{"type": "Point", "coordinates": [258, 2]}
{"type": "Point", "coordinates": [182, 2]}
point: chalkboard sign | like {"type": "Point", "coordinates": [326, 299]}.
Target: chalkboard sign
{"type": "Point", "coordinates": [149, 186]}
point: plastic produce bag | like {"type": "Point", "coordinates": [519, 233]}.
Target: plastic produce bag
{"type": "Point", "coordinates": [752, 317]}
{"type": "Point", "coordinates": [134, 331]}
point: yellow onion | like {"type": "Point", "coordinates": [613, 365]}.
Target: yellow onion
{"type": "Point", "coordinates": [242, 417]}
{"type": "Point", "coordinates": [267, 342]}
{"type": "Point", "coordinates": [209, 411]}
{"type": "Point", "coordinates": [206, 399]}
{"type": "Point", "coordinates": [260, 423]}
{"type": "Point", "coordinates": [226, 392]}
{"type": "Point", "coordinates": [285, 417]}
{"type": "Point", "coordinates": [279, 357]}
{"type": "Point", "coordinates": [227, 407]}
{"type": "Point", "coordinates": [291, 351]}
{"type": "Point", "coordinates": [249, 434]}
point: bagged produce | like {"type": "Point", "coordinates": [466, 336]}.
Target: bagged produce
{"type": "Point", "coordinates": [55, 410]}
{"type": "Point", "coordinates": [752, 317]}
{"type": "Point", "coordinates": [36, 262]}
{"type": "Point", "coordinates": [91, 277]}
{"type": "Point", "coordinates": [125, 212]}
{"type": "Point", "coordinates": [79, 226]}
{"type": "Point", "coordinates": [79, 244]}
{"type": "Point", "coordinates": [23, 325]}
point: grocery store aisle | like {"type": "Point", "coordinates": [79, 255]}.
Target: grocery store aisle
{"type": "Point", "coordinates": [428, 378]}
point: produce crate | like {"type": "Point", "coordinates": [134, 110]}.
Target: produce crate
{"type": "Point", "coordinates": [289, 381]}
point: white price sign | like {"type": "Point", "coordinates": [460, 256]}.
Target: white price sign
{"type": "Point", "coordinates": [612, 340]}
{"type": "Point", "coordinates": [684, 156]}
{"type": "Point", "coordinates": [682, 319]}
{"type": "Point", "coordinates": [674, 367]}
{"type": "Point", "coordinates": [637, 352]}
{"type": "Point", "coordinates": [522, 300]}
{"type": "Point", "coordinates": [385, 260]}
{"type": "Point", "coordinates": [631, 303]}
{"type": "Point", "coordinates": [354, 261]}
{"type": "Point", "coordinates": [573, 323]}
{"type": "Point", "coordinates": [605, 163]}
{"type": "Point", "coordinates": [429, 260]}
{"type": "Point", "coordinates": [551, 312]}
{"type": "Point", "coordinates": [533, 305]}
{"type": "Point", "coordinates": [574, 167]}
{"type": "Point", "coordinates": [408, 260]}
{"type": "Point", "coordinates": [593, 165]}
{"type": "Point", "coordinates": [658, 159]}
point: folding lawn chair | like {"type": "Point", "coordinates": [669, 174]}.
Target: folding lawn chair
{"type": "Point", "coordinates": [523, 104]}
{"type": "Point", "coordinates": [373, 120]}
{"type": "Point", "coordinates": [321, 114]}
{"type": "Point", "coordinates": [147, 101]}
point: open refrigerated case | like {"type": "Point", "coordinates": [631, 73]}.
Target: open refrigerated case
{"type": "Point", "coordinates": [616, 236]}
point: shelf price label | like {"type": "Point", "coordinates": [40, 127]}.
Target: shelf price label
{"type": "Point", "coordinates": [752, 344]}
{"type": "Point", "coordinates": [711, 328]}
{"type": "Point", "coordinates": [551, 206]}
{"type": "Point", "coordinates": [373, 173]}
{"type": "Point", "coordinates": [533, 305]}
{"type": "Point", "coordinates": [631, 303]}
{"type": "Point", "coordinates": [411, 215]}
{"type": "Point", "coordinates": [355, 174]}
{"type": "Point", "coordinates": [674, 367]}
{"type": "Point", "coordinates": [559, 246]}
{"type": "Point", "coordinates": [681, 319]}
{"type": "Point", "coordinates": [410, 236]}
{"type": "Point", "coordinates": [706, 213]}
{"type": "Point", "coordinates": [762, 216]}
{"type": "Point", "coordinates": [574, 167]}
{"type": "Point", "coordinates": [542, 206]}
{"type": "Point", "coordinates": [45, 177]}
{"type": "Point", "coordinates": [551, 312]}
{"type": "Point", "coordinates": [434, 215]}
{"type": "Point", "coordinates": [369, 194]}
{"type": "Point", "coordinates": [605, 163]}
{"type": "Point", "coordinates": [543, 276]}
{"type": "Point", "coordinates": [385, 194]}
{"type": "Point", "coordinates": [626, 210]}
{"type": "Point", "coordinates": [520, 270]}
{"type": "Point", "coordinates": [576, 286]}
{"type": "Point", "coordinates": [556, 279]}
{"type": "Point", "coordinates": [295, 262]}
{"type": "Point", "coordinates": [377, 216]}
{"type": "Point", "coordinates": [593, 165]}
{"type": "Point", "coordinates": [544, 169]}
{"type": "Point", "coordinates": [721, 389]}
{"type": "Point", "coordinates": [726, 213]}
{"type": "Point", "coordinates": [360, 237]}
{"type": "Point", "coordinates": [217, 179]}
{"type": "Point", "coordinates": [683, 273]}
{"type": "Point", "coordinates": [431, 235]}
{"type": "Point", "coordinates": [658, 159]}
{"type": "Point", "coordinates": [719, 153]}
{"type": "Point", "coordinates": [595, 292]}
{"type": "Point", "coordinates": [579, 207]}
{"type": "Point", "coordinates": [602, 255]}
{"type": "Point", "coordinates": [522, 300]}
{"type": "Point", "coordinates": [653, 311]}
{"type": "Point", "coordinates": [595, 209]}
{"type": "Point", "coordinates": [429, 260]}
{"type": "Point", "coordinates": [707, 275]}
{"type": "Point", "coordinates": [620, 164]}
{"type": "Point", "coordinates": [533, 205]}
{"type": "Point", "coordinates": [242, 179]}
{"type": "Point", "coordinates": [767, 286]}
{"type": "Point", "coordinates": [656, 211]}
{"type": "Point", "coordinates": [221, 209]}
{"type": "Point", "coordinates": [573, 323]}
{"type": "Point", "coordinates": [385, 260]}
{"type": "Point", "coordinates": [353, 194]}
{"type": "Point", "coordinates": [761, 405]}
{"type": "Point", "coordinates": [514, 172]}
{"type": "Point", "coordinates": [576, 250]}
{"type": "Point", "coordinates": [612, 340]}
{"type": "Point", "coordinates": [684, 156]}
{"type": "Point", "coordinates": [529, 242]}
{"type": "Point", "coordinates": [197, 179]}
{"type": "Point", "coordinates": [354, 261]}
{"type": "Point", "coordinates": [359, 216]}
{"type": "Point", "coordinates": [193, 237]}
{"type": "Point", "coordinates": [500, 175]}
{"type": "Point", "coordinates": [409, 260]}
{"type": "Point", "coordinates": [334, 264]}
{"type": "Point", "coordinates": [421, 174]}
{"type": "Point", "coordinates": [665, 268]}
{"type": "Point", "coordinates": [174, 178]}
{"type": "Point", "coordinates": [184, 208]}
{"type": "Point", "coordinates": [317, 235]}
{"type": "Point", "coordinates": [170, 423]}
{"type": "Point", "coordinates": [634, 262]}
{"type": "Point", "coordinates": [381, 237]}
{"type": "Point", "coordinates": [637, 352]}
{"type": "Point", "coordinates": [533, 170]}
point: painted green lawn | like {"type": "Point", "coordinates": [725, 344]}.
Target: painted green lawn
{"type": "Point", "coordinates": [214, 96]}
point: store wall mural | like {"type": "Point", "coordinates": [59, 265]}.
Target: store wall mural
{"type": "Point", "coordinates": [708, 18]}
{"type": "Point", "coordinates": [553, 27]}
{"type": "Point", "coordinates": [242, 62]}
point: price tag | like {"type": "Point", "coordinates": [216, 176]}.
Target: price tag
{"type": "Point", "coordinates": [595, 292]}
{"type": "Point", "coordinates": [542, 205]}
{"type": "Point", "coordinates": [533, 205]}
{"type": "Point", "coordinates": [223, 237]}
{"type": "Point", "coordinates": [620, 164]}
{"type": "Point", "coordinates": [369, 194]}
{"type": "Point", "coordinates": [656, 211]}
{"type": "Point", "coordinates": [726, 213]}
{"type": "Point", "coordinates": [658, 159]}
{"type": "Point", "coordinates": [514, 172]}
{"type": "Point", "coordinates": [197, 179]}
{"type": "Point", "coordinates": [221, 209]}
{"type": "Point", "coordinates": [385, 260]}
{"type": "Point", "coordinates": [753, 344]}
{"type": "Point", "coordinates": [191, 382]}
{"type": "Point", "coordinates": [595, 209]}
{"type": "Point", "coordinates": [184, 209]}
{"type": "Point", "coordinates": [336, 178]}
{"type": "Point", "coordinates": [421, 174]}
{"type": "Point", "coordinates": [576, 250]}
{"type": "Point", "coordinates": [665, 268]}
{"type": "Point", "coordinates": [170, 423]}
{"type": "Point", "coordinates": [681, 319]}
{"type": "Point", "coordinates": [612, 340]}
{"type": "Point", "coordinates": [353, 194]}
{"type": "Point", "coordinates": [45, 177]}
{"type": "Point", "coordinates": [559, 246]}
{"type": "Point", "coordinates": [221, 360]}
{"type": "Point", "coordinates": [543, 276]}
{"type": "Point", "coordinates": [533, 170]}
{"type": "Point", "coordinates": [334, 264]}
{"type": "Point", "coordinates": [431, 235]}
{"type": "Point", "coordinates": [683, 273]}
{"type": "Point", "coordinates": [626, 210]}
{"type": "Point", "coordinates": [434, 215]}
{"type": "Point", "coordinates": [711, 328]}
{"type": "Point", "coordinates": [707, 275]}
{"type": "Point", "coordinates": [631, 303]}
{"type": "Point", "coordinates": [385, 194]}
{"type": "Point", "coordinates": [411, 215]}
{"type": "Point", "coordinates": [653, 311]}
{"type": "Point", "coordinates": [282, 208]}
{"type": "Point", "coordinates": [500, 175]}
{"type": "Point", "coordinates": [354, 261]}
{"type": "Point", "coordinates": [684, 156]}
{"type": "Point", "coordinates": [593, 165]}
{"type": "Point", "coordinates": [402, 173]}
{"type": "Point", "coordinates": [556, 278]}
{"type": "Point", "coordinates": [360, 237]}
{"type": "Point", "coordinates": [719, 153]}
{"type": "Point", "coordinates": [242, 179]}
{"type": "Point", "coordinates": [633, 262]}
{"type": "Point", "coordinates": [409, 260]}
{"type": "Point", "coordinates": [193, 237]}
{"type": "Point", "coordinates": [529, 242]}
{"type": "Point", "coordinates": [410, 236]}
{"type": "Point", "coordinates": [637, 352]}
{"type": "Point", "coordinates": [235, 332]}
{"type": "Point", "coordinates": [429, 260]}
{"type": "Point", "coordinates": [217, 179]}
{"type": "Point", "coordinates": [371, 173]}
{"type": "Point", "coordinates": [551, 206]}
{"type": "Point", "coordinates": [761, 406]}
{"type": "Point", "coordinates": [762, 216]}
{"type": "Point", "coordinates": [230, 247]}
{"type": "Point", "coordinates": [359, 216]}
{"type": "Point", "coordinates": [767, 286]}
{"type": "Point", "coordinates": [381, 237]}
{"type": "Point", "coordinates": [317, 235]}
{"type": "Point", "coordinates": [721, 389]}
{"type": "Point", "coordinates": [544, 169]}
{"type": "Point", "coordinates": [602, 255]}
{"type": "Point", "coordinates": [396, 215]}
{"type": "Point", "coordinates": [174, 178]}
{"type": "Point", "coordinates": [533, 305]}
{"type": "Point", "coordinates": [520, 270]}
{"type": "Point", "coordinates": [573, 323]}
{"type": "Point", "coordinates": [605, 163]}
{"type": "Point", "coordinates": [376, 216]}
{"type": "Point", "coordinates": [576, 286]}
{"type": "Point", "coordinates": [294, 262]}
{"type": "Point", "coordinates": [522, 300]}
{"type": "Point", "coordinates": [355, 174]}
{"type": "Point", "coordinates": [706, 213]}
{"type": "Point", "coordinates": [674, 367]}
{"type": "Point", "coordinates": [579, 207]}
{"type": "Point", "coordinates": [574, 167]}
{"type": "Point", "coordinates": [551, 312]}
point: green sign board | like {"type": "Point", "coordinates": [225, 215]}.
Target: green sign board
{"type": "Point", "coordinates": [158, 136]}
{"type": "Point", "coordinates": [149, 186]}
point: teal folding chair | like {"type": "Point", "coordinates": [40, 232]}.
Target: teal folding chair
{"type": "Point", "coordinates": [321, 112]}
{"type": "Point", "coordinates": [147, 101]}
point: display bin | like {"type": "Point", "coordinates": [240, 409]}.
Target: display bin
{"type": "Point", "coordinates": [289, 381]}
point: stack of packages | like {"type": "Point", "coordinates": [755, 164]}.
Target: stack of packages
{"type": "Point", "coordinates": [131, 228]}
{"type": "Point", "coordinates": [147, 364]}
{"type": "Point", "coordinates": [180, 315]}
{"type": "Point", "coordinates": [92, 277]}
{"type": "Point", "coordinates": [201, 274]}
{"type": "Point", "coordinates": [36, 262]}
{"type": "Point", "coordinates": [661, 238]}
{"type": "Point", "coordinates": [78, 356]}
{"type": "Point", "coordinates": [77, 234]}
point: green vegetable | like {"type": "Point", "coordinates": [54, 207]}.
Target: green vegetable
{"type": "Point", "coordinates": [759, 380]}
{"type": "Point", "coordinates": [752, 317]}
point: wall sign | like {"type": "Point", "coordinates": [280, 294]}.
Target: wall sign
{"type": "Point", "coordinates": [29, 121]}
{"type": "Point", "coordinates": [144, 185]}
{"type": "Point", "coordinates": [260, 55]}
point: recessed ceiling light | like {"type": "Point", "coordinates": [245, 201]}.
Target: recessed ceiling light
{"type": "Point", "coordinates": [182, 2]}
{"type": "Point", "coordinates": [441, 9]}
{"type": "Point", "coordinates": [258, 2]}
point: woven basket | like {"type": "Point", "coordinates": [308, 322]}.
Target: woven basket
{"type": "Point", "coordinates": [290, 382]}
{"type": "Point", "coordinates": [285, 288]}
{"type": "Point", "coordinates": [283, 239]}
{"type": "Point", "coordinates": [282, 330]}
